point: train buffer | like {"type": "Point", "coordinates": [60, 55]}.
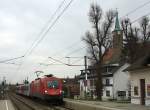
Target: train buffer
{"type": "Point", "coordinates": [6, 105]}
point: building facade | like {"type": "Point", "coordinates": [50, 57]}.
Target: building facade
{"type": "Point", "coordinates": [140, 81]}
{"type": "Point", "coordinates": [116, 84]}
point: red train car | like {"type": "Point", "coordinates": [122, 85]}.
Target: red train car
{"type": "Point", "coordinates": [47, 88]}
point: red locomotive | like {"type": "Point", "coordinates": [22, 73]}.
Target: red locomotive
{"type": "Point", "coordinates": [46, 88]}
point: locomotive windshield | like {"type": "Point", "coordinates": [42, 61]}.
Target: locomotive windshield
{"type": "Point", "coordinates": [52, 84]}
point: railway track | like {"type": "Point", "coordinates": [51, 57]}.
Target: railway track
{"type": "Point", "coordinates": [19, 104]}
{"type": "Point", "coordinates": [24, 103]}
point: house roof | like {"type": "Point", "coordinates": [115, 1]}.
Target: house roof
{"type": "Point", "coordinates": [111, 57]}
{"type": "Point", "coordinates": [108, 56]}
{"type": "Point", "coordinates": [142, 63]}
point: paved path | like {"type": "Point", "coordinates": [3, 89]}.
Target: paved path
{"type": "Point", "coordinates": [111, 105]}
{"type": "Point", "coordinates": [6, 105]}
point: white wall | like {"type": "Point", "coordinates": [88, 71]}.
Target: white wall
{"type": "Point", "coordinates": [121, 80]}
{"type": "Point", "coordinates": [135, 81]}
{"type": "Point", "coordinates": [104, 93]}
{"type": "Point", "coordinates": [82, 89]}
{"type": "Point", "coordinates": [109, 88]}
{"type": "Point", "coordinates": [110, 80]}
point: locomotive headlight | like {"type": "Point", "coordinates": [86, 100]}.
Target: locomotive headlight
{"type": "Point", "coordinates": [61, 91]}
{"type": "Point", "coordinates": [46, 91]}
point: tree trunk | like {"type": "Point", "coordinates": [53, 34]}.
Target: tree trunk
{"type": "Point", "coordinates": [99, 85]}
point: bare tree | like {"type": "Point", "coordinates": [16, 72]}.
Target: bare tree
{"type": "Point", "coordinates": [145, 29]}
{"type": "Point", "coordinates": [130, 40]}
{"type": "Point", "coordinates": [99, 41]}
{"type": "Point", "coordinates": [135, 39]}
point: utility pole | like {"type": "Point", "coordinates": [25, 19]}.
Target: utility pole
{"type": "Point", "coordinates": [85, 64]}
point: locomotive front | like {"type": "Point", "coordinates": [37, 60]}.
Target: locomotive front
{"type": "Point", "coordinates": [53, 89]}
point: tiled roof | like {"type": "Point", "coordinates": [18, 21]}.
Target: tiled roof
{"type": "Point", "coordinates": [108, 56]}
{"type": "Point", "coordinates": [111, 56]}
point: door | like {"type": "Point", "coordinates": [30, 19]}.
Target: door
{"type": "Point", "coordinates": [142, 89]}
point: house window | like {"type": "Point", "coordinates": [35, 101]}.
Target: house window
{"type": "Point", "coordinates": [148, 89]}
{"type": "Point", "coordinates": [107, 81]}
{"type": "Point", "coordinates": [121, 93]}
{"type": "Point", "coordinates": [108, 93]}
{"type": "Point", "coordinates": [136, 90]}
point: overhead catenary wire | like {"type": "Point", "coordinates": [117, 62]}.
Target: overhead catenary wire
{"type": "Point", "coordinates": [11, 63]}
{"type": "Point", "coordinates": [34, 45]}
{"type": "Point", "coordinates": [3, 61]}
{"type": "Point", "coordinates": [65, 63]}
{"type": "Point", "coordinates": [45, 26]}
{"type": "Point", "coordinates": [50, 27]}
{"type": "Point", "coordinates": [79, 49]}
{"type": "Point", "coordinates": [134, 10]}
{"type": "Point", "coordinates": [64, 49]}
{"type": "Point", "coordinates": [137, 8]}
{"type": "Point", "coordinates": [140, 18]}
{"type": "Point", "coordinates": [41, 32]}
{"type": "Point", "coordinates": [58, 61]}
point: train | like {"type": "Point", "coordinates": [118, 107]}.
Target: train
{"type": "Point", "coordinates": [47, 88]}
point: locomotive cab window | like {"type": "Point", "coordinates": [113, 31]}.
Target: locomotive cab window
{"type": "Point", "coordinates": [52, 84]}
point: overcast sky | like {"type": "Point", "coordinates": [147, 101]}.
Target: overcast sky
{"type": "Point", "coordinates": [22, 20]}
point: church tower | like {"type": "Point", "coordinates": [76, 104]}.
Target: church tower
{"type": "Point", "coordinates": [117, 39]}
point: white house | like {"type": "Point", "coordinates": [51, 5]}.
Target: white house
{"type": "Point", "coordinates": [140, 81]}
{"type": "Point", "coordinates": [116, 84]}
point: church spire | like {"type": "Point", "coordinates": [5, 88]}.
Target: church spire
{"type": "Point", "coordinates": [117, 24]}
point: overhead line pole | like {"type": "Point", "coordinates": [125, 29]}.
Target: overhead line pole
{"type": "Point", "coordinates": [85, 64]}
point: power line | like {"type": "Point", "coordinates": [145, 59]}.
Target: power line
{"type": "Point", "coordinates": [46, 25]}
{"type": "Point", "coordinates": [58, 61]}
{"type": "Point", "coordinates": [68, 47]}
{"type": "Point", "coordinates": [11, 63]}
{"type": "Point", "coordinates": [72, 45]}
{"type": "Point", "coordinates": [39, 35]}
{"type": "Point", "coordinates": [64, 63]}
{"type": "Point", "coordinates": [77, 61]}
{"type": "Point", "coordinates": [3, 61]}
{"type": "Point", "coordinates": [79, 49]}
{"type": "Point", "coordinates": [140, 18]}
{"type": "Point", "coordinates": [139, 7]}
{"type": "Point", "coordinates": [53, 23]}
{"type": "Point", "coordinates": [50, 27]}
